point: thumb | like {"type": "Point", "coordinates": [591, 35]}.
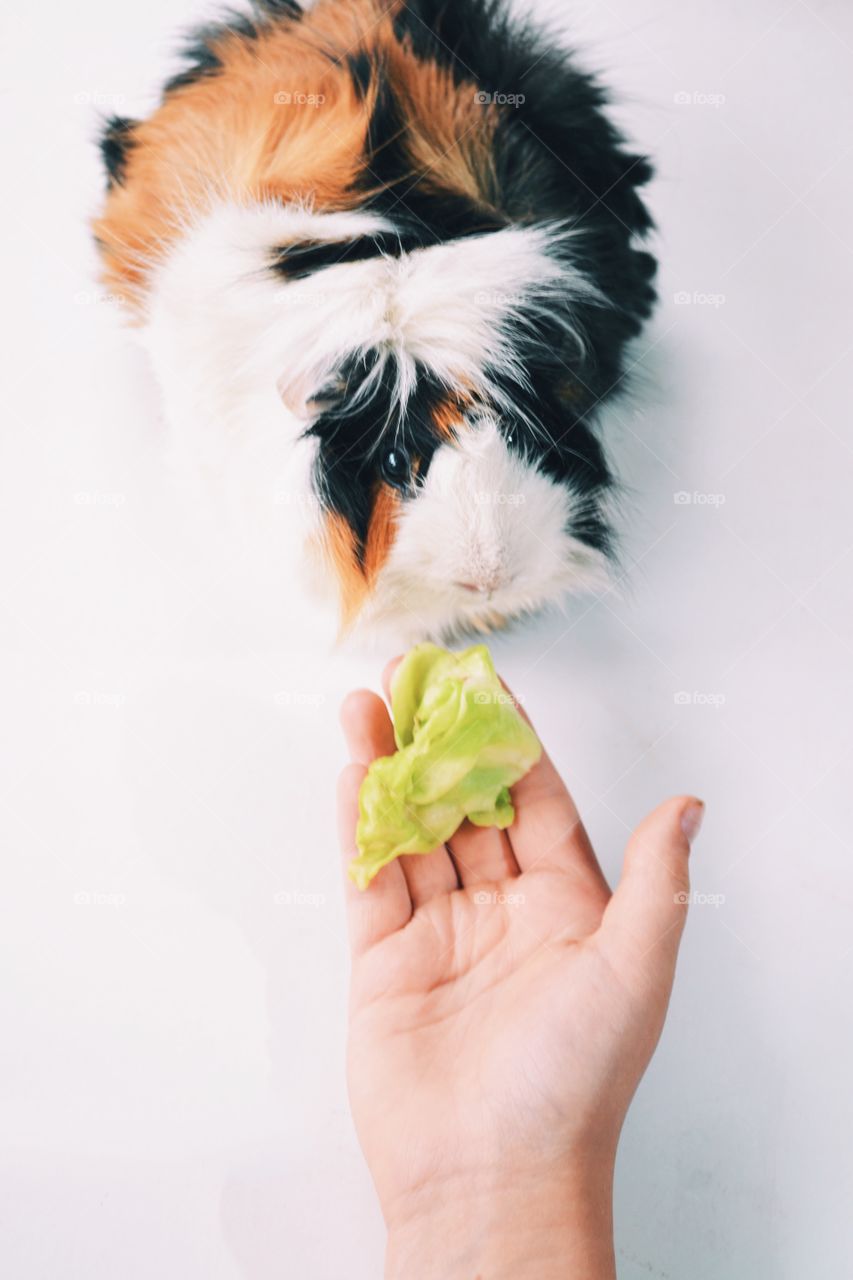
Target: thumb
{"type": "Point", "coordinates": [647, 912]}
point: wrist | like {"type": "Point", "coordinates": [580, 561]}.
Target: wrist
{"type": "Point", "coordinates": [507, 1224]}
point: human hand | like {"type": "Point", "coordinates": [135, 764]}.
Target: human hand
{"type": "Point", "coordinates": [504, 1006]}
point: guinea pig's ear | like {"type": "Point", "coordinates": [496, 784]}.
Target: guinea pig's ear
{"type": "Point", "coordinates": [297, 392]}
{"type": "Point", "coordinates": [305, 399]}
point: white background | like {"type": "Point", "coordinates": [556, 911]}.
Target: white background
{"type": "Point", "coordinates": [172, 1099]}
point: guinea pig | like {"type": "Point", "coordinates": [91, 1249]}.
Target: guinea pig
{"type": "Point", "coordinates": [397, 242]}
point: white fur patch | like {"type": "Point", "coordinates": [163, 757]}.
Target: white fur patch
{"type": "Point", "coordinates": [219, 318]}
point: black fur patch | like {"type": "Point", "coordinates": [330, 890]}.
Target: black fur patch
{"type": "Point", "coordinates": [353, 437]}
{"type": "Point", "coordinates": [361, 68]}
{"type": "Point", "coordinates": [557, 438]}
{"type": "Point", "coordinates": [303, 258]}
{"type": "Point", "coordinates": [199, 50]}
{"type": "Point", "coordinates": [556, 158]}
{"type": "Point", "coordinates": [116, 142]}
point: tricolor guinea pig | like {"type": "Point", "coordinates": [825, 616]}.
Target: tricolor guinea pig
{"type": "Point", "coordinates": [392, 244]}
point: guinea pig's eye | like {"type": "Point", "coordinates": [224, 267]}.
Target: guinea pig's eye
{"type": "Point", "coordinates": [396, 467]}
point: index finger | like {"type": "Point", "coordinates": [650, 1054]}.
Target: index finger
{"type": "Point", "coordinates": [548, 833]}
{"type": "Point", "coordinates": [385, 905]}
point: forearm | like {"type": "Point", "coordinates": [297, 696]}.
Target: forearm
{"type": "Point", "coordinates": [542, 1227]}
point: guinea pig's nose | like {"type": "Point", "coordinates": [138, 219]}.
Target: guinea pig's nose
{"type": "Point", "coordinates": [483, 586]}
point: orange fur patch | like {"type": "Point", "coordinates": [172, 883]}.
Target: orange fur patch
{"type": "Point", "coordinates": [447, 417]}
{"type": "Point", "coordinates": [382, 531]}
{"type": "Point", "coordinates": [355, 575]}
{"type": "Point", "coordinates": [449, 132]}
{"type": "Point", "coordinates": [226, 137]}
{"type": "Point", "coordinates": [339, 545]}
{"type": "Point", "coordinates": [283, 121]}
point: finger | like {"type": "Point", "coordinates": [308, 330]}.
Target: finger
{"type": "Point", "coordinates": [429, 875]}
{"type": "Point", "coordinates": [385, 906]}
{"type": "Point", "coordinates": [367, 727]}
{"type": "Point", "coordinates": [482, 853]}
{"type": "Point", "coordinates": [369, 734]}
{"type": "Point", "coordinates": [645, 917]}
{"type": "Point", "coordinates": [388, 675]}
{"type": "Point", "coordinates": [548, 833]}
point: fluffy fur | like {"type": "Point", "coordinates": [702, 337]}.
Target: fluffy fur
{"type": "Point", "coordinates": [384, 260]}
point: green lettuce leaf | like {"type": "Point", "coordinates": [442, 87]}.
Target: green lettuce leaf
{"type": "Point", "coordinates": [461, 744]}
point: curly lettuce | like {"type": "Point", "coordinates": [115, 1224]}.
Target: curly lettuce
{"type": "Point", "coordinates": [461, 744]}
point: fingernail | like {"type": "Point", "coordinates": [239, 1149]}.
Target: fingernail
{"type": "Point", "coordinates": [691, 819]}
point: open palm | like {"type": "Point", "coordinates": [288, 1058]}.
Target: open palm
{"type": "Point", "coordinates": [504, 1004]}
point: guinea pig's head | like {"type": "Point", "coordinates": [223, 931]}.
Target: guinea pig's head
{"type": "Point", "coordinates": [457, 485]}
{"type": "Point", "coordinates": [449, 514]}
